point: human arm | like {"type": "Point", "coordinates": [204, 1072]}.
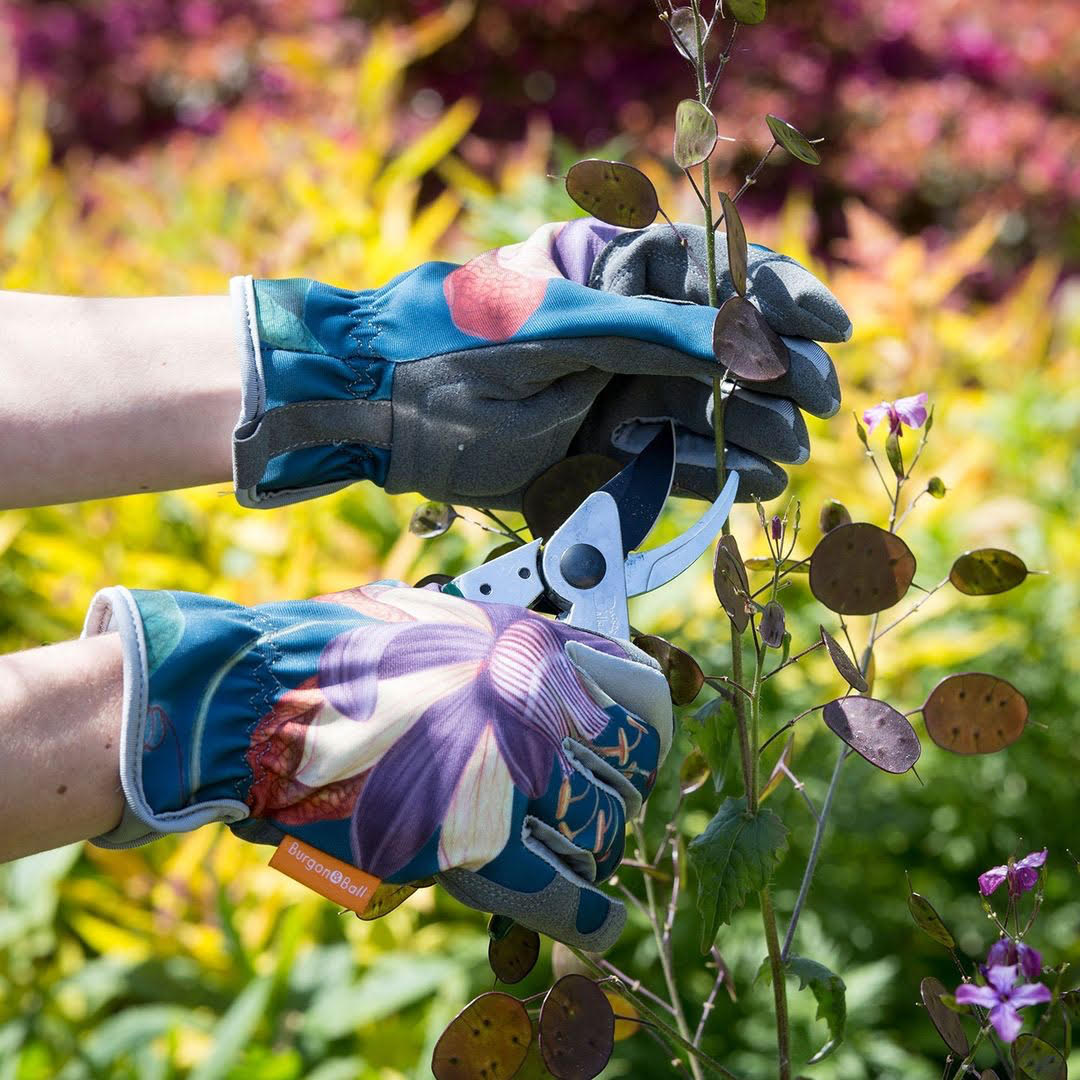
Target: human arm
{"type": "Point", "coordinates": [108, 397]}
{"type": "Point", "coordinates": [60, 729]}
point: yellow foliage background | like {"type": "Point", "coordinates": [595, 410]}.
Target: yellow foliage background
{"type": "Point", "coordinates": [190, 957]}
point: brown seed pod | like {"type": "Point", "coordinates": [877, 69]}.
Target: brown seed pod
{"type": "Point", "coordinates": [987, 571]}
{"type": "Point", "coordinates": [746, 345]}
{"type": "Point", "coordinates": [730, 582]}
{"type": "Point", "coordinates": [514, 955]}
{"type": "Point", "coordinates": [685, 678]}
{"type": "Point", "coordinates": [577, 1029]}
{"type": "Point", "coordinates": [875, 730]}
{"type": "Point", "coordinates": [613, 192]}
{"type": "Point", "coordinates": [942, 1017]}
{"type": "Point", "coordinates": [489, 1038]}
{"type": "Point", "coordinates": [859, 569]}
{"type": "Point", "coordinates": [843, 663]}
{"type": "Point", "coordinates": [736, 243]}
{"type": "Point", "coordinates": [975, 713]}
{"type": "Point", "coordinates": [1038, 1059]}
{"type": "Point", "coordinates": [695, 133]}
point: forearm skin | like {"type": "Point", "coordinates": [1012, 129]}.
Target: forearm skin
{"type": "Point", "coordinates": [105, 397]}
{"type": "Point", "coordinates": [60, 712]}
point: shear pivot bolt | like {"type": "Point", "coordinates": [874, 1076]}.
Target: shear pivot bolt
{"type": "Point", "coordinates": [583, 566]}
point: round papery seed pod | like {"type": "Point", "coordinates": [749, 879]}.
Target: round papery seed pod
{"type": "Point", "coordinates": [975, 713]}
{"type": "Point", "coordinates": [946, 1022]}
{"type": "Point", "coordinates": [514, 955]}
{"type": "Point", "coordinates": [577, 1029]}
{"type": "Point", "coordinates": [490, 1037]}
{"type": "Point", "coordinates": [860, 569]}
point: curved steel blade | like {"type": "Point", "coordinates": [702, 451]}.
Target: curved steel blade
{"type": "Point", "coordinates": [648, 570]}
{"type": "Point", "coordinates": [641, 489]}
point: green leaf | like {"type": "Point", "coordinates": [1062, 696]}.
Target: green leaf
{"type": "Point", "coordinates": [792, 140]}
{"type": "Point", "coordinates": [736, 854]}
{"type": "Point", "coordinates": [892, 452]}
{"type": "Point", "coordinates": [861, 432]}
{"type": "Point", "coordinates": [929, 921]}
{"type": "Point", "coordinates": [829, 989]}
{"type": "Point", "coordinates": [1038, 1059]}
{"type": "Point", "coordinates": [712, 731]}
{"type": "Point", "coordinates": [695, 133]}
{"type": "Point", "coordinates": [749, 12]}
{"type": "Point", "coordinates": [234, 1031]}
{"type": "Point", "coordinates": [936, 487]}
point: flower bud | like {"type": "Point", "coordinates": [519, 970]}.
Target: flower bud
{"type": "Point", "coordinates": [776, 528]}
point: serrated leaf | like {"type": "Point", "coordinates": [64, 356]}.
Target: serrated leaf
{"type": "Point", "coordinates": [736, 854]}
{"type": "Point", "coordinates": [829, 990]}
{"type": "Point", "coordinates": [712, 731]}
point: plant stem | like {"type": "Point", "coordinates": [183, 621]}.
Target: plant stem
{"type": "Point", "coordinates": [776, 965]}
{"type": "Point", "coordinates": [710, 1001]}
{"type": "Point", "coordinates": [751, 179]}
{"type": "Point", "coordinates": [663, 947]}
{"type": "Point", "coordinates": [815, 851]}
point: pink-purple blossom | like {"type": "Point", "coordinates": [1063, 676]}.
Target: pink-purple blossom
{"type": "Point", "coordinates": [1021, 875]}
{"type": "Point", "coordinates": [1006, 953]}
{"type": "Point", "coordinates": [1003, 998]}
{"type": "Point", "coordinates": [909, 411]}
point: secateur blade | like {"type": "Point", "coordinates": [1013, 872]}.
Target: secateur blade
{"type": "Point", "coordinates": [642, 487]}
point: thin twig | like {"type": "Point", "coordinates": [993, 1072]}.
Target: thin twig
{"type": "Point", "coordinates": [792, 660]}
{"type": "Point", "coordinates": [815, 851]}
{"type": "Point", "coordinates": [673, 901]}
{"type": "Point", "coordinates": [790, 724]}
{"type": "Point", "coordinates": [911, 610]}
{"type": "Point", "coordinates": [751, 178]}
{"type": "Point", "coordinates": [710, 1001]}
{"type": "Point", "coordinates": [635, 984]}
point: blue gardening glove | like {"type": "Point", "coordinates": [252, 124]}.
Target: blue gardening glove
{"type": "Point", "coordinates": [466, 382]}
{"type": "Point", "coordinates": [402, 731]}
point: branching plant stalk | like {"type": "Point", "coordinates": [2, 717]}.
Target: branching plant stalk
{"type": "Point", "coordinates": [663, 947]}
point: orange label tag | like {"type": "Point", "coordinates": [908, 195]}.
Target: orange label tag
{"type": "Point", "coordinates": [327, 876]}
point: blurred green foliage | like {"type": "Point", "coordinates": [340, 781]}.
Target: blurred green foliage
{"type": "Point", "coordinates": [190, 958]}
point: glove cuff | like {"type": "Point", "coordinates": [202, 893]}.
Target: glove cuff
{"type": "Point", "coordinates": [146, 728]}
{"type": "Point", "coordinates": [315, 410]}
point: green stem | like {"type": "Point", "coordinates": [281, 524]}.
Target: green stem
{"type": "Point", "coordinates": [664, 949]}
{"type": "Point", "coordinates": [779, 983]}
{"type": "Point", "coordinates": [815, 852]}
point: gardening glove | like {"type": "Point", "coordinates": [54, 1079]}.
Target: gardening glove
{"type": "Point", "coordinates": [466, 382]}
{"type": "Point", "coordinates": [402, 732]}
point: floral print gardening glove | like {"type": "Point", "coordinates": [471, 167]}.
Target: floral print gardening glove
{"type": "Point", "coordinates": [403, 731]}
{"type": "Point", "coordinates": [466, 382]}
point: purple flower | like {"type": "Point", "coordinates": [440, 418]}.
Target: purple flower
{"type": "Point", "coordinates": [1021, 875]}
{"type": "Point", "coordinates": [908, 410]}
{"type": "Point", "coordinates": [457, 705]}
{"type": "Point", "coordinates": [1003, 998]}
{"type": "Point", "coordinates": [1006, 953]}
{"type": "Point", "coordinates": [776, 527]}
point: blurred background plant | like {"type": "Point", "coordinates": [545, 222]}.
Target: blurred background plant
{"type": "Point", "coordinates": [281, 139]}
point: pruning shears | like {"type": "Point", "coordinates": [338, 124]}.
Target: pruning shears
{"type": "Point", "coordinates": [589, 567]}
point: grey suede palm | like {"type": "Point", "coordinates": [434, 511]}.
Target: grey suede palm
{"type": "Point", "coordinates": [763, 426]}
